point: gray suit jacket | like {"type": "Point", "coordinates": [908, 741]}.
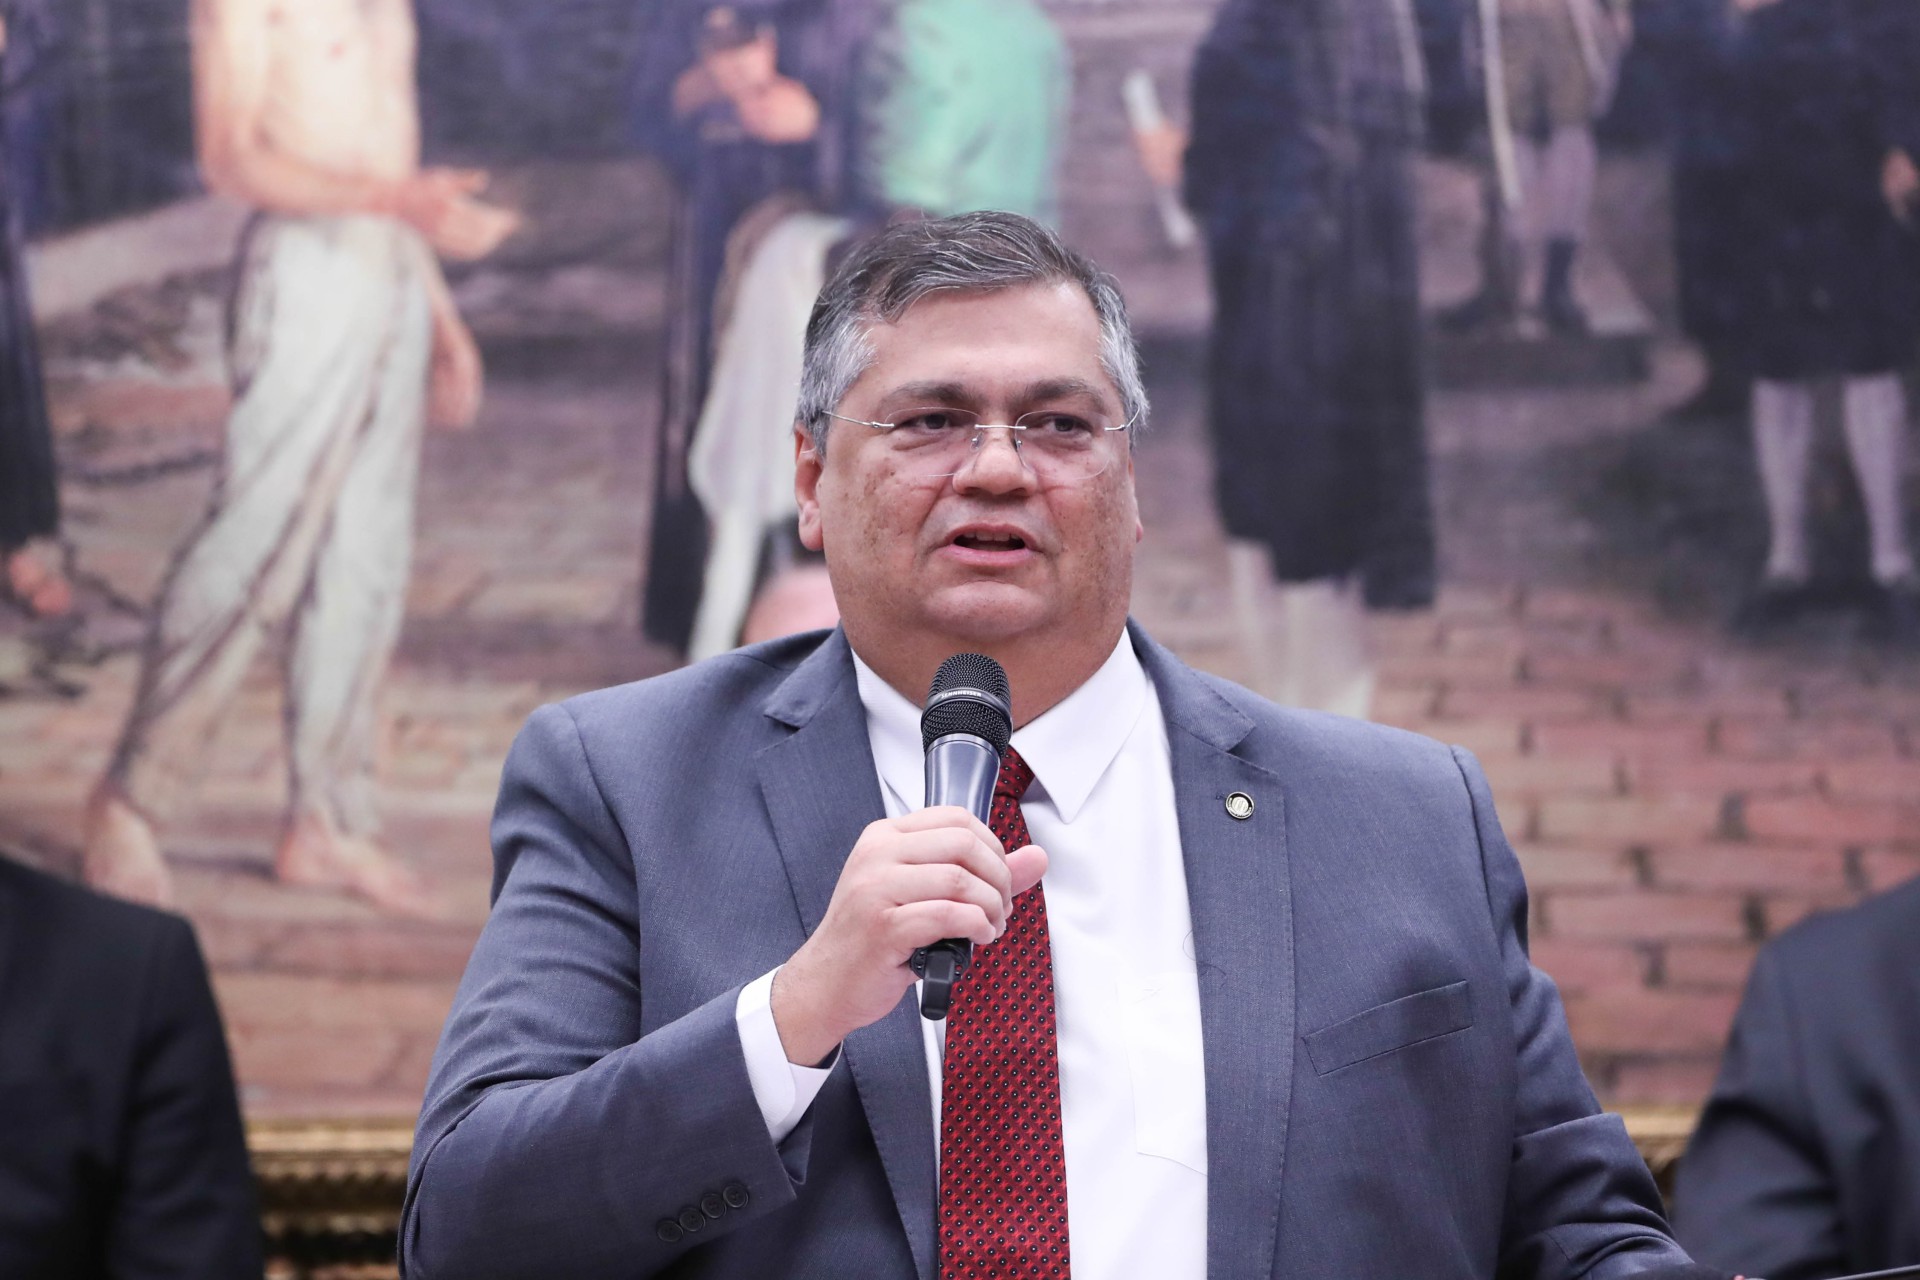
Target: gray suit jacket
{"type": "Point", "coordinates": [1391, 1090]}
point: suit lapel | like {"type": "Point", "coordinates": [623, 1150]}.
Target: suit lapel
{"type": "Point", "coordinates": [821, 791]}
{"type": "Point", "coordinates": [1240, 897]}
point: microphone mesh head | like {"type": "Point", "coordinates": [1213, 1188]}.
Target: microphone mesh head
{"type": "Point", "coordinates": [969, 695]}
{"type": "Point", "coordinates": [971, 671]}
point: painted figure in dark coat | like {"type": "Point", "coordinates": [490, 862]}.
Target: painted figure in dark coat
{"type": "Point", "coordinates": [1833, 289]}
{"type": "Point", "coordinates": [1694, 46]}
{"type": "Point", "coordinates": [1306, 120]}
{"type": "Point", "coordinates": [29, 496]}
{"type": "Point", "coordinates": [725, 170]}
{"type": "Point", "coordinates": [1828, 291]}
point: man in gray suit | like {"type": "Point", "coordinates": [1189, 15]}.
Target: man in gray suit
{"type": "Point", "coordinates": [1269, 1013]}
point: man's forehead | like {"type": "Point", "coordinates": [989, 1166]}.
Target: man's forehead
{"type": "Point", "coordinates": [1039, 339]}
{"type": "Point", "coordinates": [941, 308]}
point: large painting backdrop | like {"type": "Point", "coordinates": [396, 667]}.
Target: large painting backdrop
{"type": "Point", "coordinates": [1685, 774]}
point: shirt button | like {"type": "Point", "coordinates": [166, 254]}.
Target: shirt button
{"type": "Point", "coordinates": [736, 1194]}
{"type": "Point", "coordinates": [712, 1205]}
{"type": "Point", "coordinates": [691, 1220]}
{"type": "Point", "coordinates": [669, 1231]}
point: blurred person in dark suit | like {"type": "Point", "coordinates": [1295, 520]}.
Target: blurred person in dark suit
{"type": "Point", "coordinates": [121, 1148]}
{"type": "Point", "coordinates": [1806, 1163]}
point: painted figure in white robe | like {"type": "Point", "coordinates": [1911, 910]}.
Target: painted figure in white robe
{"type": "Point", "coordinates": [344, 343]}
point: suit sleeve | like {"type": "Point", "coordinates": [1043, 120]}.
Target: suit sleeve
{"type": "Point", "coordinates": [1753, 1190]}
{"type": "Point", "coordinates": [1580, 1201]}
{"type": "Point", "coordinates": [185, 1203]}
{"type": "Point", "coordinates": [556, 1139]}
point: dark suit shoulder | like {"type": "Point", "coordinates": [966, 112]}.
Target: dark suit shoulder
{"type": "Point", "coordinates": [86, 971]}
{"type": "Point", "coordinates": [1850, 941]}
{"type": "Point", "coordinates": [69, 922]}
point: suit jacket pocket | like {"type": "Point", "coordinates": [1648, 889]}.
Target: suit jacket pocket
{"type": "Point", "coordinates": [1424, 1015]}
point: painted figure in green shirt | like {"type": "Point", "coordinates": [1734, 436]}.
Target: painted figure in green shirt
{"type": "Point", "coordinates": [966, 107]}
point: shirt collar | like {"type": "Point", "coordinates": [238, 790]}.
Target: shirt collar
{"type": "Point", "coordinates": [1069, 748]}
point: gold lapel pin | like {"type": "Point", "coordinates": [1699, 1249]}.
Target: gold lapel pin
{"type": "Point", "coordinates": [1239, 806]}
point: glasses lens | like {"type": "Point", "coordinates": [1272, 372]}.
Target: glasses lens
{"type": "Point", "coordinates": [1060, 446]}
{"type": "Point", "coordinates": [1066, 446]}
{"type": "Point", "coordinates": [933, 441]}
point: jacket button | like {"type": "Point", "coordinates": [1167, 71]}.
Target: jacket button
{"type": "Point", "coordinates": [712, 1205]}
{"type": "Point", "coordinates": [668, 1230]}
{"type": "Point", "coordinates": [691, 1220]}
{"type": "Point", "coordinates": [736, 1194]}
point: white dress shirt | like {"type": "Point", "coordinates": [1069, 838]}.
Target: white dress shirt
{"type": "Point", "coordinates": [1126, 994]}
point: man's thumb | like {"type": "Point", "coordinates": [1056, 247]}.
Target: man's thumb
{"type": "Point", "coordinates": [1027, 863]}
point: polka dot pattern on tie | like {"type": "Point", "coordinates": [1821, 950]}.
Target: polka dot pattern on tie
{"type": "Point", "coordinates": [1003, 1170]}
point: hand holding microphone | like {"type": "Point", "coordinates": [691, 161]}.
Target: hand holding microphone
{"type": "Point", "coordinates": [930, 877]}
{"type": "Point", "coordinates": [964, 731]}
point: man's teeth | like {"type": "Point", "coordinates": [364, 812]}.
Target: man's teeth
{"type": "Point", "coordinates": [992, 542]}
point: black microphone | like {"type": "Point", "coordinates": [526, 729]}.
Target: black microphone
{"type": "Point", "coordinates": [966, 726]}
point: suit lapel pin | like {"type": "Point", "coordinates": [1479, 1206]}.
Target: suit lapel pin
{"type": "Point", "coordinates": [1239, 806]}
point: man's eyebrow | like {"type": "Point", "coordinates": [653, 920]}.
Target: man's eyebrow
{"type": "Point", "coordinates": [953, 393]}
{"type": "Point", "coordinates": [1054, 388]}
{"type": "Point", "coordinates": [929, 393]}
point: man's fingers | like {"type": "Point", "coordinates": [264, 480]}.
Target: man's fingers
{"type": "Point", "coordinates": [960, 847]}
{"type": "Point", "coordinates": [921, 924]}
{"type": "Point", "coordinates": [945, 815]}
{"type": "Point", "coordinates": [947, 882]}
{"type": "Point", "coordinates": [1026, 865]}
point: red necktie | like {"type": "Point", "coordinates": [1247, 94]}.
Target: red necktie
{"type": "Point", "coordinates": [1003, 1169]}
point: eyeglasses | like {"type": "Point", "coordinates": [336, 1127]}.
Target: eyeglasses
{"type": "Point", "coordinates": [1059, 446]}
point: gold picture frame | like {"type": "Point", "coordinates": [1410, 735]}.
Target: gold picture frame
{"type": "Point", "coordinates": [331, 1190]}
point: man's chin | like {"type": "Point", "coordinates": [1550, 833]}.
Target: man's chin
{"type": "Point", "coordinates": [984, 612]}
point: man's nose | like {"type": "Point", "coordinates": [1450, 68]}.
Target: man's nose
{"type": "Point", "coordinates": [995, 463]}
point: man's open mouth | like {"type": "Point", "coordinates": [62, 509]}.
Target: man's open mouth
{"type": "Point", "coordinates": [991, 542]}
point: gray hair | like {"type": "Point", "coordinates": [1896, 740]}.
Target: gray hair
{"type": "Point", "coordinates": [970, 252]}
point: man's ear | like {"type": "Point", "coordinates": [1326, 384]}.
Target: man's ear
{"type": "Point", "coordinates": [1139, 526]}
{"type": "Point", "coordinates": [807, 465]}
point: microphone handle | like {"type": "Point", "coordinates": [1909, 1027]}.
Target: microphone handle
{"type": "Point", "coordinates": [961, 770]}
